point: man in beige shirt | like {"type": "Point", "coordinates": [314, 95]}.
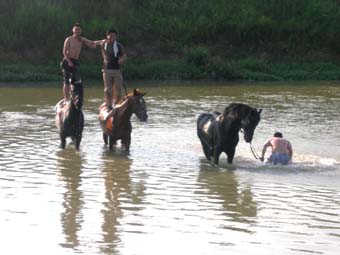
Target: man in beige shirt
{"type": "Point", "coordinates": [282, 151]}
{"type": "Point", "coordinates": [113, 57]}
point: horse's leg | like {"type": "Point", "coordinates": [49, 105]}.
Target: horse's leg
{"type": "Point", "coordinates": [62, 141]}
{"type": "Point", "coordinates": [217, 153]}
{"type": "Point", "coordinates": [105, 138]}
{"type": "Point", "coordinates": [111, 142]}
{"type": "Point", "coordinates": [126, 141]}
{"type": "Point", "coordinates": [230, 153]}
{"type": "Point", "coordinates": [78, 140]}
{"type": "Point", "coordinates": [205, 146]}
{"type": "Point", "coordinates": [206, 150]}
{"type": "Point", "coordinates": [79, 132]}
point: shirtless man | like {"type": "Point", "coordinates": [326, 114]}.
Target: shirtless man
{"type": "Point", "coordinates": [70, 63]}
{"type": "Point", "coordinates": [282, 151]}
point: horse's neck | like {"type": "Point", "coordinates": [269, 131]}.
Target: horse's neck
{"type": "Point", "coordinates": [69, 112]}
{"type": "Point", "coordinates": [124, 111]}
{"type": "Point", "coordinates": [231, 124]}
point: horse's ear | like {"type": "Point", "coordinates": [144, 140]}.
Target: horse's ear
{"type": "Point", "coordinates": [259, 111]}
{"type": "Point", "coordinates": [137, 92]}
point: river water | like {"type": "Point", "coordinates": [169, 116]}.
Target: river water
{"type": "Point", "coordinates": [164, 197]}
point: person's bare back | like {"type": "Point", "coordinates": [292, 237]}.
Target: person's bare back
{"type": "Point", "coordinates": [280, 145]}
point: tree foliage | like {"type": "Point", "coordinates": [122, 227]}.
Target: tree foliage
{"type": "Point", "coordinates": [170, 27]}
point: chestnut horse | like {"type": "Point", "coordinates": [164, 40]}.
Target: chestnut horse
{"type": "Point", "coordinates": [116, 124]}
{"type": "Point", "coordinates": [219, 132]}
{"type": "Point", "coordinates": [69, 117]}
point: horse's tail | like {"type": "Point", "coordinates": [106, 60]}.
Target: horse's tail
{"type": "Point", "coordinates": [201, 117]}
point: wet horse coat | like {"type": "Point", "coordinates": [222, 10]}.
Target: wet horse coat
{"type": "Point", "coordinates": [219, 132]}
{"type": "Point", "coordinates": [116, 125]}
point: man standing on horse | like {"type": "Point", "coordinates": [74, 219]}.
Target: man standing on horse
{"type": "Point", "coordinates": [70, 63]}
{"type": "Point", "coordinates": [113, 57]}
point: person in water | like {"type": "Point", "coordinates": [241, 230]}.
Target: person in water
{"type": "Point", "coordinates": [282, 151]}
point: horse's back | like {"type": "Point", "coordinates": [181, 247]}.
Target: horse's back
{"type": "Point", "coordinates": [105, 120]}
{"type": "Point", "coordinates": [205, 117]}
{"type": "Point", "coordinates": [205, 123]}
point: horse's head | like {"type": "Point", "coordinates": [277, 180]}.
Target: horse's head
{"type": "Point", "coordinates": [138, 105]}
{"type": "Point", "coordinates": [77, 95]}
{"type": "Point", "coordinates": [249, 123]}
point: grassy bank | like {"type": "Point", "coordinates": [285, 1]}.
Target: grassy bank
{"type": "Point", "coordinates": [201, 39]}
{"type": "Point", "coordinates": [183, 69]}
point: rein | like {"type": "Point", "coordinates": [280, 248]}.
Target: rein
{"type": "Point", "coordinates": [252, 148]}
{"type": "Point", "coordinates": [126, 93]}
{"type": "Point", "coordinates": [123, 82]}
{"type": "Point", "coordinates": [253, 151]}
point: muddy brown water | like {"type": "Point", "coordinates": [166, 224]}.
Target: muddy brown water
{"type": "Point", "coordinates": [164, 197]}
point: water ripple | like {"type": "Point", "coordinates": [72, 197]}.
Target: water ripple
{"type": "Point", "coordinates": [163, 197]}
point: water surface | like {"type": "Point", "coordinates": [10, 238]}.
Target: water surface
{"type": "Point", "coordinates": [164, 197]}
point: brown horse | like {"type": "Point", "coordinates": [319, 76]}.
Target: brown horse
{"type": "Point", "coordinates": [69, 117]}
{"type": "Point", "coordinates": [116, 124]}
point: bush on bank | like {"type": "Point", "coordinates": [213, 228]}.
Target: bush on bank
{"type": "Point", "coordinates": [183, 69]}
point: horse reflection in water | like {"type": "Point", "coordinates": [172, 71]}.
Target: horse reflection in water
{"type": "Point", "coordinates": [69, 116]}
{"type": "Point", "coordinates": [116, 124]}
{"type": "Point", "coordinates": [70, 167]}
{"type": "Point", "coordinates": [237, 199]}
{"type": "Point", "coordinates": [219, 132]}
{"type": "Point", "coordinates": [121, 191]}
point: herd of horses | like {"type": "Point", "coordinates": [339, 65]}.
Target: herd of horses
{"type": "Point", "coordinates": [217, 132]}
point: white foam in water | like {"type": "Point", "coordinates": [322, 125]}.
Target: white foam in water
{"type": "Point", "coordinates": [313, 162]}
{"type": "Point", "coordinates": [302, 162]}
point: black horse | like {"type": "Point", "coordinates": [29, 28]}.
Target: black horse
{"type": "Point", "coordinates": [69, 116]}
{"type": "Point", "coordinates": [219, 132]}
{"type": "Point", "coordinates": [116, 124]}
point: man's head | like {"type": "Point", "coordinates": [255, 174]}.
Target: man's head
{"type": "Point", "coordinates": [76, 29]}
{"type": "Point", "coordinates": [278, 134]}
{"type": "Point", "coordinates": [111, 35]}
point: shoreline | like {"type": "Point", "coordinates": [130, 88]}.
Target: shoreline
{"type": "Point", "coordinates": [232, 70]}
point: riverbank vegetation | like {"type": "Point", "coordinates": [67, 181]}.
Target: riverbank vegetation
{"type": "Point", "coordinates": [187, 39]}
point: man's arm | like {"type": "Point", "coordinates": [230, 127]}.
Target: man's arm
{"type": "Point", "coordinates": [66, 51]}
{"type": "Point", "coordinates": [122, 58]}
{"type": "Point", "coordinates": [290, 151]}
{"type": "Point", "coordinates": [267, 144]}
{"type": "Point", "coordinates": [91, 44]}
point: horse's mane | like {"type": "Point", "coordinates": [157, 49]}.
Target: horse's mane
{"type": "Point", "coordinates": [237, 110]}
{"type": "Point", "coordinates": [135, 92]}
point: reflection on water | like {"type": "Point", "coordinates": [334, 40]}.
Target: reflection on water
{"type": "Point", "coordinates": [164, 197]}
{"type": "Point", "coordinates": [237, 201]}
{"type": "Point", "coordinates": [69, 165]}
{"type": "Point", "coordinates": [118, 188]}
